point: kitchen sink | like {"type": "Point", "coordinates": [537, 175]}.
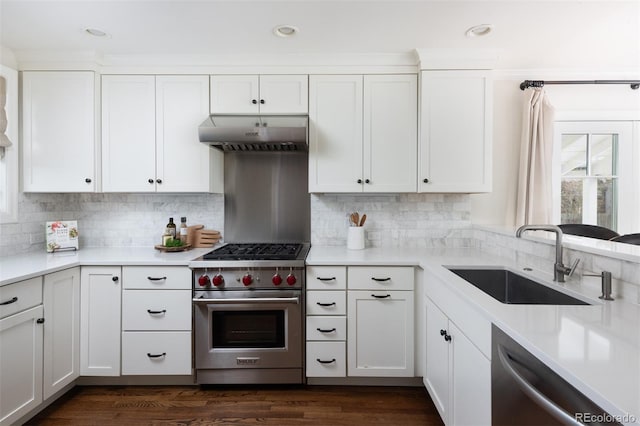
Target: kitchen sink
{"type": "Point", "coordinates": [511, 288]}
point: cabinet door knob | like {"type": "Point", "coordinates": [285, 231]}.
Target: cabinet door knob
{"type": "Point", "coordinates": [443, 332]}
{"type": "Point", "coordinates": [367, 181]}
{"type": "Point", "coordinates": [40, 321]}
{"type": "Point", "coordinates": [115, 279]}
{"type": "Point", "coordinates": [158, 180]}
{"type": "Point", "coordinates": [359, 180]}
{"type": "Point", "coordinates": [262, 101]}
{"type": "Point", "coordinates": [88, 180]}
{"type": "Point", "coordinates": [425, 180]}
{"type": "Point", "coordinates": [150, 181]}
{"type": "Point", "coordinates": [447, 338]}
{"type": "Point", "coordinates": [253, 101]}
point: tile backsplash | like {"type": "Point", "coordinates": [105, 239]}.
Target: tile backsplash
{"type": "Point", "coordinates": [396, 220]}
{"type": "Point", "coordinates": [409, 220]}
{"type": "Point", "coordinates": [108, 219]}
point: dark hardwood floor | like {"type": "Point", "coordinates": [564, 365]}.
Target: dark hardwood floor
{"type": "Point", "coordinates": [241, 405]}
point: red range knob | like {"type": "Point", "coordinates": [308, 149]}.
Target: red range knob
{"type": "Point", "coordinates": [217, 280]}
{"type": "Point", "coordinates": [276, 279]}
{"type": "Point", "coordinates": [291, 279]}
{"type": "Point", "coordinates": [247, 279]}
{"type": "Point", "coordinates": [203, 280]}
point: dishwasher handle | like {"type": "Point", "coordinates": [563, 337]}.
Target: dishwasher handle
{"type": "Point", "coordinates": [535, 395]}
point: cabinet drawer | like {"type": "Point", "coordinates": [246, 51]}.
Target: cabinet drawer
{"type": "Point", "coordinates": [326, 277]}
{"type": "Point", "coordinates": [334, 356]}
{"type": "Point", "coordinates": [326, 302]}
{"type": "Point", "coordinates": [154, 277]}
{"type": "Point", "coordinates": [156, 310]}
{"type": "Point", "coordinates": [19, 296]}
{"type": "Point", "coordinates": [380, 278]}
{"type": "Point", "coordinates": [151, 353]}
{"type": "Point", "coordinates": [326, 328]}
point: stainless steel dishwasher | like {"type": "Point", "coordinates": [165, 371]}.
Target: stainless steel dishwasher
{"type": "Point", "coordinates": [524, 391]}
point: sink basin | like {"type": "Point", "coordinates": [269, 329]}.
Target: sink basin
{"type": "Point", "coordinates": [511, 288]}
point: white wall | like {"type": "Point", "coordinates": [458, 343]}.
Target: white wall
{"type": "Point", "coordinates": [571, 102]}
{"type": "Point", "coordinates": [7, 58]}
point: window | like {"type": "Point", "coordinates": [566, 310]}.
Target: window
{"type": "Point", "coordinates": [9, 163]}
{"type": "Point", "coordinates": [593, 174]}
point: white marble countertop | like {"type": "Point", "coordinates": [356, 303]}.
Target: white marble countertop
{"type": "Point", "coordinates": [595, 348]}
{"type": "Point", "coordinates": [25, 266]}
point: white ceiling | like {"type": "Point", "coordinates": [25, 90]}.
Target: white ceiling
{"type": "Point", "coordinates": [529, 34]}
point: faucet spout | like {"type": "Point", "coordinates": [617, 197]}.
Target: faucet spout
{"type": "Point", "coordinates": [559, 270]}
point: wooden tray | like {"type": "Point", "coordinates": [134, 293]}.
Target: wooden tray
{"type": "Point", "coordinates": [173, 249]}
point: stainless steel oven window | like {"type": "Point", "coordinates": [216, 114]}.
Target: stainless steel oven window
{"type": "Point", "coordinates": [252, 329]}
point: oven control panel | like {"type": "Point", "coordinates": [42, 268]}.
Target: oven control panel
{"type": "Point", "coordinates": [248, 278]}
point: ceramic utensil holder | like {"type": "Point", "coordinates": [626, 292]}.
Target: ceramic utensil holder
{"type": "Point", "coordinates": [355, 238]}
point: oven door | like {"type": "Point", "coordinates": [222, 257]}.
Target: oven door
{"type": "Point", "coordinates": [248, 329]}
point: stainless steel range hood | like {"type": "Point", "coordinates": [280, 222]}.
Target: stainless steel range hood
{"type": "Point", "coordinates": [240, 133]}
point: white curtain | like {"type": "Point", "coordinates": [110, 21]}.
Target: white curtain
{"type": "Point", "coordinates": [4, 139]}
{"type": "Point", "coordinates": [534, 197]}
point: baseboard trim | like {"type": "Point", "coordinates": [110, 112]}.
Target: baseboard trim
{"type": "Point", "coordinates": [366, 381]}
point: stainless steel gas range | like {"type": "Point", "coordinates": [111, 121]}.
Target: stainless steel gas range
{"type": "Point", "coordinates": [248, 314]}
{"type": "Point", "coordinates": [248, 297]}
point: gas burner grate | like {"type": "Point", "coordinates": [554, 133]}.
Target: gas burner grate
{"type": "Point", "coordinates": [251, 251]}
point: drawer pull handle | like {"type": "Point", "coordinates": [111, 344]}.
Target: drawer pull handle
{"type": "Point", "coordinates": [380, 280]}
{"type": "Point", "coordinates": [156, 278]}
{"type": "Point", "coordinates": [325, 362]}
{"type": "Point", "coordinates": [326, 279]}
{"type": "Point", "coordinates": [381, 297]}
{"type": "Point", "coordinates": [156, 355]}
{"type": "Point", "coordinates": [164, 311]}
{"type": "Point", "coordinates": [8, 302]}
{"type": "Point", "coordinates": [326, 304]}
{"type": "Point", "coordinates": [321, 330]}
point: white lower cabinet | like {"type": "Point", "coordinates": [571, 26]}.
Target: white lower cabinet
{"type": "Point", "coordinates": [360, 321]}
{"type": "Point", "coordinates": [156, 320]}
{"type": "Point", "coordinates": [380, 333]}
{"type": "Point", "coordinates": [20, 363]}
{"type": "Point", "coordinates": [156, 353]}
{"type": "Point", "coordinates": [458, 375]}
{"type": "Point", "coordinates": [100, 302]}
{"type": "Point", "coordinates": [61, 300]}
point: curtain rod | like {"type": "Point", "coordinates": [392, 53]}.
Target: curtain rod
{"type": "Point", "coordinates": [634, 84]}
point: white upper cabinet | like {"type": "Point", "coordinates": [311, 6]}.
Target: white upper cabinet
{"type": "Point", "coordinates": [58, 131]}
{"type": "Point", "coordinates": [264, 94]}
{"type": "Point", "coordinates": [183, 163]}
{"type": "Point", "coordinates": [363, 133]}
{"type": "Point", "coordinates": [335, 133]}
{"type": "Point", "coordinates": [150, 135]}
{"type": "Point", "coordinates": [128, 133]}
{"type": "Point", "coordinates": [456, 131]}
{"type": "Point", "coordinates": [390, 133]}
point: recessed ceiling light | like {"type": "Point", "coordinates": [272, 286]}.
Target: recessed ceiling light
{"type": "Point", "coordinates": [479, 30]}
{"type": "Point", "coordinates": [96, 32]}
{"type": "Point", "coordinates": [285, 30]}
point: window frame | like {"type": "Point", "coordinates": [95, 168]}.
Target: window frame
{"type": "Point", "coordinates": [10, 213]}
{"type": "Point", "coordinates": [628, 162]}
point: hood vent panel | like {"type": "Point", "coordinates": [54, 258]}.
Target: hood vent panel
{"type": "Point", "coordinates": [263, 133]}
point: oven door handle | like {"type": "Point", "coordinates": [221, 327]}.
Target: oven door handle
{"type": "Point", "coordinates": [295, 300]}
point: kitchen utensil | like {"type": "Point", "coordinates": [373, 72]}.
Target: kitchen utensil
{"type": "Point", "coordinates": [356, 218]}
{"type": "Point", "coordinates": [173, 249]}
{"type": "Point", "coordinates": [206, 238]}
{"type": "Point", "coordinates": [363, 219]}
{"type": "Point", "coordinates": [352, 220]}
{"type": "Point", "coordinates": [191, 233]}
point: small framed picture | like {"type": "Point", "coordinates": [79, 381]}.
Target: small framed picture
{"type": "Point", "coordinates": [62, 235]}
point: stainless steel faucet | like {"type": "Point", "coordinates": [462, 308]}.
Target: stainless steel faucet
{"type": "Point", "coordinates": [559, 269]}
